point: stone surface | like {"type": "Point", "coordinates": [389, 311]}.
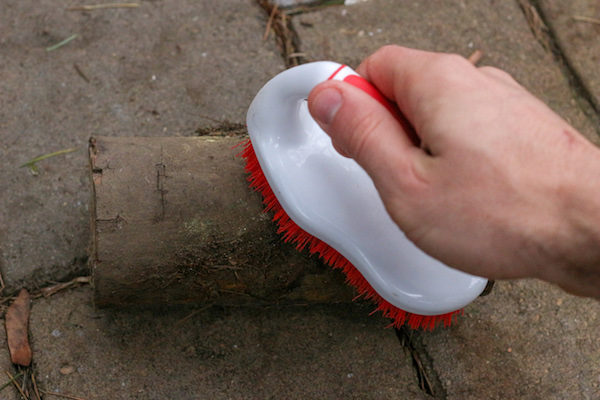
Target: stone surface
{"type": "Point", "coordinates": [527, 340]}
{"type": "Point", "coordinates": [577, 38]}
{"type": "Point", "coordinates": [9, 392]}
{"type": "Point", "coordinates": [292, 353]}
{"type": "Point", "coordinates": [147, 71]}
{"type": "Point", "coordinates": [349, 34]}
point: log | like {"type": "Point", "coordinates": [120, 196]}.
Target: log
{"type": "Point", "coordinates": [173, 221]}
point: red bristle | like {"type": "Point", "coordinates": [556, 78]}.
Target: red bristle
{"type": "Point", "coordinates": [293, 233]}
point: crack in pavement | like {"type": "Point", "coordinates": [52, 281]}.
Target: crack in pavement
{"type": "Point", "coordinates": [429, 380]}
{"type": "Point", "coordinates": [544, 33]}
{"type": "Point", "coordinates": [288, 40]}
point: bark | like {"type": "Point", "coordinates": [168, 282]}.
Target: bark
{"type": "Point", "coordinates": [173, 221]}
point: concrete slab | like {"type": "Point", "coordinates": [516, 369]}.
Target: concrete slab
{"type": "Point", "coordinates": [146, 71]}
{"type": "Point", "coordinates": [527, 340]}
{"type": "Point", "coordinates": [9, 392]}
{"type": "Point", "coordinates": [576, 26]}
{"type": "Point", "coordinates": [348, 34]}
{"type": "Point", "coordinates": [292, 353]}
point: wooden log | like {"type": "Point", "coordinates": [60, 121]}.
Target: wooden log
{"type": "Point", "coordinates": [173, 221]}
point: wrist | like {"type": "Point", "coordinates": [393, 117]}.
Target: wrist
{"type": "Point", "coordinates": [576, 267]}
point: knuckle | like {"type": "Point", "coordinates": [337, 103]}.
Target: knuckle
{"type": "Point", "coordinates": [445, 70]}
{"type": "Point", "coordinates": [385, 53]}
{"type": "Point", "coordinates": [449, 63]}
{"type": "Point", "coordinates": [387, 49]}
{"type": "Point", "coordinates": [443, 73]}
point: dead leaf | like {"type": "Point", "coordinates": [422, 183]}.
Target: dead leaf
{"type": "Point", "coordinates": [17, 332]}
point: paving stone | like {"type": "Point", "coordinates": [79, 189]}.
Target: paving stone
{"type": "Point", "coordinates": [288, 353]}
{"type": "Point", "coordinates": [577, 38]}
{"type": "Point", "coordinates": [9, 392]}
{"type": "Point", "coordinates": [526, 340]}
{"type": "Point", "coordinates": [147, 71]}
{"type": "Point", "coordinates": [498, 28]}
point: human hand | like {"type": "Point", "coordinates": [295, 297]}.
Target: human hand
{"type": "Point", "coordinates": [499, 186]}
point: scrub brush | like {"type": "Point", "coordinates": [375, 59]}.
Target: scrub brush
{"type": "Point", "coordinates": [326, 203]}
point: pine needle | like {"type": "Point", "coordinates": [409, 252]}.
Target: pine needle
{"type": "Point", "coordinates": [582, 18]}
{"type": "Point", "coordinates": [60, 44]}
{"type": "Point", "coordinates": [102, 6]}
{"type": "Point", "coordinates": [10, 381]}
{"type": "Point", "coordinates": [37, 392]}
{"type": "Point", "coordinates": [31, 163]}
{"type": "Point", "coordinates": [66, 396]}
{"type": "Point", "coordinates": [270, 21]}
{"type": "Point", "coordinates": [14, 382]}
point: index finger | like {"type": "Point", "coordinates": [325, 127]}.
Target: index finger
{"type": "Point", "coordinates": [411, 78]}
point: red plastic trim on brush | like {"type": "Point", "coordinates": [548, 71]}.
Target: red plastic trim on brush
{"type": "Point", "coordinates": [293, 233]}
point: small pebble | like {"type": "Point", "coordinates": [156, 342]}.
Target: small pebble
{"type": "Point", "coordinates": [559, 302]}
{"type": "Point", "coordinates": [67, 370]}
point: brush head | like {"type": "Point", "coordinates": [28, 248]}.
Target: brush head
{"type": "Point", "coordinates": [328, 204]}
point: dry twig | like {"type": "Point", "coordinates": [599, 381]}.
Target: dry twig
{"type": "Point", "coordinates": [81, 73]}
{"type": "Point", "coordinates": [35, 388]}
{"type": "Point", "coordinates": [582, 18]}
{"type": "Point", "coordinates": [50, 290]}
{"type": "Point", "coordinates": [10, 381]}
{"type": "Point", "coordinates": [270, 21]}
{"type": "Point", "coordinates": [66, 396]}
{"type": "Point", "coordinates": [14, 382]}
{"type": "Point", "coordinates": [286, 36]}
{"type": "Point", "coordinates": [475, 57]}
{"type": "Point", "coordinates": [536, 24]}
{"type": "Point", "coordinates": [190, 315]}
{"type": "Point", "coordinates": [407, 343]}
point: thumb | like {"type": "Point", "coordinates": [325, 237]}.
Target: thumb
{"type": "Point", "coordinates": [363, 129]}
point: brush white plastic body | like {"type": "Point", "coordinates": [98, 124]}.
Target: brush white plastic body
{"type": "Point", "coordinates": [332, 198]}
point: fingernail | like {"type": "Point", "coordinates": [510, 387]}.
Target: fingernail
{"type": "Point", "coordinates": [326, 105]}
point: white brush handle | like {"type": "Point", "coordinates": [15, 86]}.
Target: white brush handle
{"type": "Point", "coordinates": [332, 198]}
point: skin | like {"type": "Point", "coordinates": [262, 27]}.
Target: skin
{"type": "Point", "coordinates": [500, 186]}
